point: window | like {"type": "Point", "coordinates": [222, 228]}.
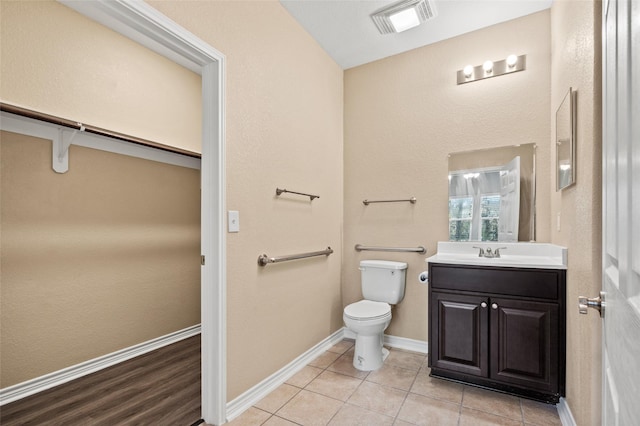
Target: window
{"type": "Point", "coordinates": [460, 215]}
{"type": "Point", "coordinates": [490, 217]}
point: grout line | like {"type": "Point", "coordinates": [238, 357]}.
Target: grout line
{"type": "Point", "coordinates": [464, 388]}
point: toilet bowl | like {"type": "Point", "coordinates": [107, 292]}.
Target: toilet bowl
{"type": "Point", "coordinates": [383, 284]}
{"type": "Point", "coordinates": [368, 319]}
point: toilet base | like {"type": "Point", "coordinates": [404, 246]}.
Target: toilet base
{"type": "Point", "coordinates": [369, 353]}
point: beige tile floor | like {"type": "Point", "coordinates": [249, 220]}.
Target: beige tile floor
{"type": "Point", "coordinates": [330, 391]}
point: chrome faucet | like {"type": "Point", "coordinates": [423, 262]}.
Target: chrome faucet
{"type": "Point", "coordinates": [496, 253]}
{"type": "Point", "coordinates": [488, 253]}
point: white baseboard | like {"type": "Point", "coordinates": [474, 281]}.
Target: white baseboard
{"type": "Point", "coordinates": [564, 412]}
{"type": "Point", "coordinates": [412, 345]}
{"type": "Point", "coordinates": [403, 343]}
{"type": "Point", "coordinates": [39, 384]}
{"type": "Point", "coordinates": [262, 389]}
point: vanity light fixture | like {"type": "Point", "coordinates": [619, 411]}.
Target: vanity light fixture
{"type": "Point", "coordinates": [489, 69]}
{"type": "Point", "coordinates": [403, 15]}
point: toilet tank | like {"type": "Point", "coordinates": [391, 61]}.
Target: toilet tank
{"type": "Point", "coordinates": [383, 280]}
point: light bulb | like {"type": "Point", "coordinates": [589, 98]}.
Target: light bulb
{"type": "Point", "coordinates": [487, 66]}
{"type": "Point", "coordinates": [468, 71]}
{"type": "Point", "coordinates": [512, 60]}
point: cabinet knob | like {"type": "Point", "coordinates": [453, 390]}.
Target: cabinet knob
{"type": "Point", "coordinates": [494, 306]}
{"type": "Point", "coordinates": [483, 304]}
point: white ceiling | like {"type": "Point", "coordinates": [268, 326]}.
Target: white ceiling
{"type": "Point", "coordinates": [346, 31]}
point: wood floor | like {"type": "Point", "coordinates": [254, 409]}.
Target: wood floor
{"type": "Point", "coordinates": [159, 388]}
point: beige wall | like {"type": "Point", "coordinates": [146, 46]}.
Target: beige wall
{"type": "Point", "coordinates": [284, 129]}
{"type": "Point", "coordinates": [285, 106]}
{"type": "Point", "coordinates": [576, 63]}
{"type": "Point", "coordinates": [404, 114]}
{"type": "Point", "coordinates": [94, 260]}
{"type": "Point", "coordinates": [56, 61]}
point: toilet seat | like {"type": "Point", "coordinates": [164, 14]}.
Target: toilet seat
{"type": "Point", "coordinates": [365, 310]}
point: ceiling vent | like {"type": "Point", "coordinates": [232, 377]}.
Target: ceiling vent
{"type": "Point", "coordinates": [403, 15]}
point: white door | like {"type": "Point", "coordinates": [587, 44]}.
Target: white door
{"type": "Point", "coordinates": [621, 213]}
{"type": "Point", "coordinates": [509, 201]}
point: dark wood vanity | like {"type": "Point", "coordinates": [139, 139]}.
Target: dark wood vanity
{"type": "Point", "coordinates": [499, 327]}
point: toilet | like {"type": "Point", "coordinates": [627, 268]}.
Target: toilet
{"type": "Point", "coordinates": [383, 284]}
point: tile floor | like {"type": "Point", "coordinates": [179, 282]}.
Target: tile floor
{"type": "Point", "coordinates": [330, 391]}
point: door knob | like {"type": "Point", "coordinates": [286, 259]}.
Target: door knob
{"type": "Point", "coordinates": [483, 304]}
{"type": "Point", "coordinates": [584, 303]}
{"type": "Point", "coordinates": [494, 306]}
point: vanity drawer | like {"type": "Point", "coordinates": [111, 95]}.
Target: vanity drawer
{"type": "Point", "coordinates": [537, 283]}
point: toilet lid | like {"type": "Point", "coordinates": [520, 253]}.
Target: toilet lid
{"type": "Point", "coordinates": [367, 309]}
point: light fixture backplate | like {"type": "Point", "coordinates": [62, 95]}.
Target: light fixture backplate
{"type": "Point", "coordinates": [499, 68]}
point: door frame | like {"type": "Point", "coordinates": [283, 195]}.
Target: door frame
{"type": "Point", "coordinates": [148, 27]}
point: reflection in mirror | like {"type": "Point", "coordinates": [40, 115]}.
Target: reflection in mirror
{"type": "Point", "coordinates": [492, 194]}
{"type": "Point", "coordinates": [565, 152]}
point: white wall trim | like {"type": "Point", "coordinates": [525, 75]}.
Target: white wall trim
{"type": "Point", "coordinates": [40, 129]}
{"type": "Point", "coordinates": [403, 343]}
{"type": "Point", "coordinates": [564, 412]}
{"type": "Point", "coordinates": [407, 344]}
{"type": "Point", "coordinates": [39, 384]}
{"type": "Point", "coordinates": [259, 391]}
{"type": "Point", "coordinates": [142, 23]}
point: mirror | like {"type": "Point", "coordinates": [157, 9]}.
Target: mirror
{"type": "Point", "coordinates": [492, 194]}
{"type": "Point", "coordinates": [565, 150]}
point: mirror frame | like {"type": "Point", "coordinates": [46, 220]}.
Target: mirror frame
{"type": "Point", "coordinates": [565, 141]}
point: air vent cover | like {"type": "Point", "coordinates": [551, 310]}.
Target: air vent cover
{"type": "Point", "coordinates": [424, 10]}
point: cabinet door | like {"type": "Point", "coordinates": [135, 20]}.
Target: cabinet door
{"type": "Point", "coordinates": [459, 326]}
{"type": "Point", "coordinates": [524, 343]}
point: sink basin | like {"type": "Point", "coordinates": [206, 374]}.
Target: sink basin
{"type": "Point", "coordinates": [524, 255]}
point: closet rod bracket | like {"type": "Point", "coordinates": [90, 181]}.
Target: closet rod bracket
{"type": "Point", "coordinates": [61, 145]}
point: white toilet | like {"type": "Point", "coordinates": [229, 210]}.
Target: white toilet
{"type": "Point", "coordinates": [383, 284]}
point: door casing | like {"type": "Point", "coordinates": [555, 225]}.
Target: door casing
{"type": "Point", "coordinates": [148, 27]}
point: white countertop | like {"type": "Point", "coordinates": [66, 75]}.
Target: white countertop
{"type": "Point", "coordinates": [523, 255]}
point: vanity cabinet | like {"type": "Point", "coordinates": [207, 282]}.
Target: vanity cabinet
{"type": "Point", "coordinates": [499, 327]}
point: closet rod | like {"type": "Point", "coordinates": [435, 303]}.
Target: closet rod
{"type": "Point", "coordinates": [24, 112]}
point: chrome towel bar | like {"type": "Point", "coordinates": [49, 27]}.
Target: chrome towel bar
{"type": "Point", "coordinates": [311, 197]}
{"type": "Point", "coordinates": [419, 249]}
{"type": "Point", "coordinates": [264, 260]}
{"type": "Point", "coordinates": [412, 200]}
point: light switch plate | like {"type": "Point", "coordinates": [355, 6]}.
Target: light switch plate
{"type": "Point", "coordinates": [233, 221]}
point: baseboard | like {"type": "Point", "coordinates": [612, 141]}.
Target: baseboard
{"type": "Point", "coordinates": [39, 384]}
{"type": "Point", "coordinates": [262, 389]}
{"type": "Point", "coordinates": [403, 343]}
{"type": "Point", "coordinates": [406, 344]}
{"type": "Point", "coordinates": [564, 412]}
